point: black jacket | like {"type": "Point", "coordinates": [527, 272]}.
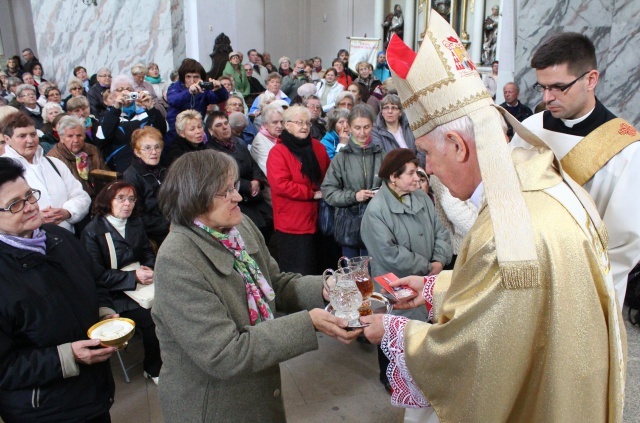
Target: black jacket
{"type": "Point", "coordinates": [255, 207]}
{"type": "Point", "coordinates": [135, 247]}
{"type": "Point", "coordinates": [47, 301]}
{"type": "Point", "coordinates": [147, 186]}
{"type": "Point", "coordinates": [96, 102]}
{"type": "Point", "coordinates": [115, 133]}
{"type": "Point", "coordinates": [180, 146]}
{"type": "Point", "coordinates": [37, 118]}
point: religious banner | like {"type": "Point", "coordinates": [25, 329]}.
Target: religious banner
{"type": "Point", "coordinates": [363, 50]}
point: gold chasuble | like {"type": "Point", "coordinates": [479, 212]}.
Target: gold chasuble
{"type": "Point", "coordinates": [526, 327]}
{"type": "Point", "coordinates": [542, 354]}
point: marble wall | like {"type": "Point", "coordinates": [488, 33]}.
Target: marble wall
{"type": "Point", "coordinates": [115, 33]}
{"type": "Point", "coordinates": [613, 27]}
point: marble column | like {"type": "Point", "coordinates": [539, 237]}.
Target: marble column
{"type": "Point", "coordinates": [613, 28]}
{"type": "Point", "coordinates": [478, 34]}
{"type": "Point", "coordinates": [409, 12]}
{"type": "Point", "coordinates": [378, 19]}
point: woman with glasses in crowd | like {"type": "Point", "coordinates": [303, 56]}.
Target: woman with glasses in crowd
{"type": "Point", "coordinates": [118, 245]}
{"type": "Point", "coordinates": [217, 290]}
{"type": "Point", "coordinates": [146, 174]}
{"type": "Point", "coordinates": [50, 296]}
{"type": "Point", "coordinates": [295, 169]}
{"type": "Point", "coordinates": [75, 88]}
{"type": "Point", "coordinates": [392, 129]}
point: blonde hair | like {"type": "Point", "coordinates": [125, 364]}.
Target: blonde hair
{"type": "Point", "coordinates": [184, 117]}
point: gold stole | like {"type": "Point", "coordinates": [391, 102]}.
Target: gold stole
{"type": "Point", "coordinates": [596, 149]}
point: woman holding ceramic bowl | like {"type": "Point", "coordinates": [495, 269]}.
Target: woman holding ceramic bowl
{"type": "Point", "coordinates": [49, 298]}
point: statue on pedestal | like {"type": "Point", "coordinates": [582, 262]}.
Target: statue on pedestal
{"type": "Point", "coordinates": [393, 23]}
{"type": "Point", "coordinates": [219, 56]}
{"type": "Point", "coordinates": [490, 42]}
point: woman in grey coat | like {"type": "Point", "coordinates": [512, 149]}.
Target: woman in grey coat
{"type": "Point", "coordinates": [401, 230]}
{"type": "Point", "coordinates": [352, 178]}
{"type": "Point", "coordinates": [217, 289]}
{"type": "Point", "coordinates": [392, 129]}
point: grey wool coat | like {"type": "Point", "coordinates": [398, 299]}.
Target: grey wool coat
{"type": "Point", "coordinates": [352, 170]}
{"type": "Point", "coordinates": [216, 366]}
{"type": "Point", "coordinates": [404, 240]}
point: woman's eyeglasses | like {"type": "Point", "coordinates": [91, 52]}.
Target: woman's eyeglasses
{"type": "Point", "coordinates": [16, 207]}
{"type": "Point", "coordinates": [123, 198]}
{"type": "Point", "coordinates": [229, 192]}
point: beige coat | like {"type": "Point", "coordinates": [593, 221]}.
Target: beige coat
{"type": "Point", "coordinates": [216, 366]}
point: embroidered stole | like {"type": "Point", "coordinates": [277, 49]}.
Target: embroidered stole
{"type": "Point", "coordinates": [596, 149]}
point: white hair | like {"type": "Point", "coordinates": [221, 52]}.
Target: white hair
{"type": "Point", "coordinates": [269, 110]}
{"type": "Point", "coordinates": [341, 95]}
{"type": "Point", "coordinates": [47, 107]}
{"type": "Point", "coordinates": [264, 99]}
{"type": "Point", "coordinates": [120, 80]}
{"type": "Point", "coordinates": [463, 126]}
{"type": "Point", "coordinates": [68, 122]}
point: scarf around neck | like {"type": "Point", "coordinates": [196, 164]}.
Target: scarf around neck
{"type": "Point", "coordinates": [258, 290]}
{"type": "Point", "coordinates": [362, 145]}
{"type": "Point", "coordinates": [36, 244]}
{"type": "Point", "coordinates": [266, 133]}
{"type": "Point", "coordinates": [302, 149]}
{"type": "Point", "coordinates": [153, 80]}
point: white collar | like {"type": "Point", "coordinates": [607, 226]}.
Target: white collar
{"type": "Point", "coordinates": [569, 123]}
{"type": "Point", "coordinates": [477, 196]}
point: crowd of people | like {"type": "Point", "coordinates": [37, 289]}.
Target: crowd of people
{"type": "Point", "coordinates": [217, 198]}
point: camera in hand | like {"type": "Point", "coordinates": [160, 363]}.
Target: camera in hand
{"type": "Point", "coordinates": [133, 96]}
{"type": "Point", "coordinates": [205, 85]}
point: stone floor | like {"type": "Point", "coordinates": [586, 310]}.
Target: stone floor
{"type": "Point", "coordinates": [337, 383]}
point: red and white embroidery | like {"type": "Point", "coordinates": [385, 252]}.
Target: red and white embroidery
{"type": "Point", "coordinates": [626, 129]}
{"type": "Point", "coordinates": [427, 293]}
{"type": "Point", "coordinates": [405, 392]}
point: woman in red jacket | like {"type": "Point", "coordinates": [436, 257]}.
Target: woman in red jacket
{"type": "Point", "coordinates": [295, 169]}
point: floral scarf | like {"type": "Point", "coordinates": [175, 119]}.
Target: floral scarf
{"type": "Point", "coordinates": [82, 165]}
{"type": "Point", "coordinates": [258, 290]}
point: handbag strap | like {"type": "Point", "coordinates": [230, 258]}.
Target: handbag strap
{"type": "Point", "coordinates": [112, 251]}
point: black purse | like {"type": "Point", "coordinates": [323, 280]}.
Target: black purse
{"type": "Point", "coordinates": [347, 225]}
{"type": "Point", "coordinates": [325, 218]}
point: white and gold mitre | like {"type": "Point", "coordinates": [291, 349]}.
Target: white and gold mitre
{"type": "Point", "coordinates": [440, 84]}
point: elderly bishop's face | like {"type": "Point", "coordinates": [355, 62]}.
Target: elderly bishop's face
{"type": "Point", "coordinates": [449, 161]}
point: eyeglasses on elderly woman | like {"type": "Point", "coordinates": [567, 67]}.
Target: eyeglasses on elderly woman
{"type": "Point", "coordinates": [16, 207]}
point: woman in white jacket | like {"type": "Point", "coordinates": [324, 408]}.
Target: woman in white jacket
{"type": "Point", "coordinates": [328, 88]}
{"type": "Point", "coordinates": [62, 200]}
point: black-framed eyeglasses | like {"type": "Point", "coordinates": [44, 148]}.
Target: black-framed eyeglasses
{"type": "Point", "coordinates": [16, 207]}
{"type": "Point", "coordinates": [557, 88]}
{"type": "Point", "coordinates": [229, 192]}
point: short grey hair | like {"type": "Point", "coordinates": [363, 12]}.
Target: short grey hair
{"type": "Point", "coordinates": [185, 116]}
{"type": "Point", "coordinates": [24, 87]}
{"type": "Point", "coordinates": [361, 111]}
{"type": "Point", "coordinates": [269, 110]}
{"type": "Point", "coordinates": [391, 99]}
{"type": "Point", "coordinates": [103, 69]}
{"type": "Point", "coordinates": [342, 94]}
{"type": "Point", "coordinates": [75, 103]}
{"type": "Point", "coordinates": [74, 83]}
{"type": "Point", "coordinates": [192, 183]}
{"type": "Point", "coordinates": [138, 68]}
{"type": "Point", "coordinates": [264, 99]}
{"type": "Point", "coordinates": [49, 106]}
{"type": "Point", "coordinates": [13, 81]}
{"type": "Point", "coordinates": [334, 116]}
{"type": "Point", "coordinates": [294, 111]}
{"type": "Point", "coordinates": [68, 122]}
{"type": "Point", "coordinates": [121, 80]}
{"type": "Point", "coordinates": [237, 120]}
